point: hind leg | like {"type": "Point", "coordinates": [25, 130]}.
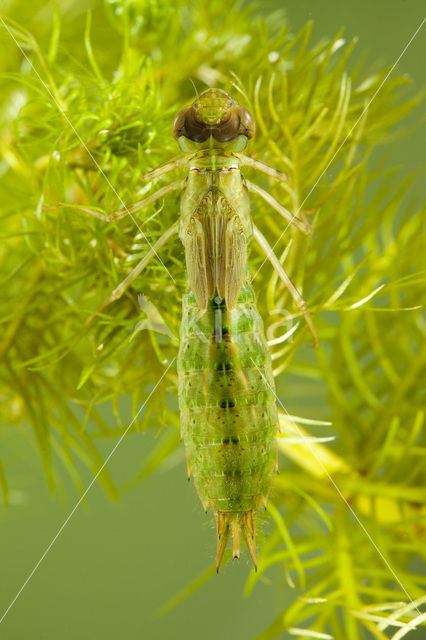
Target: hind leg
{"type": "Point", "coordinates": [297, 297]}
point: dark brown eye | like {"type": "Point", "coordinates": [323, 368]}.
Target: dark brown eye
{"type": "Point", "coordinates": [247, 124]}
{"type": "Point", "coordinates": [186, 124]}
{"type": "Point", "coordinates": [179, 125]}
{"type": "Point", "coordinates": [239, 122]}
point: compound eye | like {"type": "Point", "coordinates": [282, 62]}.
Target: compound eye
{"type": "Point", "coordinates": [247, 125]}
{"type": "Point", "coordinates": [187, 125]}
{"type": "Point", "coordinates": [179, 125]}
{"type": "Point", "coordinates": [240, 122]}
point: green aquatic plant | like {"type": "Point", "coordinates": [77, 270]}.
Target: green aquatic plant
{"type": "Point", "coordinates": [80, 122]}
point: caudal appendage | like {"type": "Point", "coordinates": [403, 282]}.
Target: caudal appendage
{"type": "Point", "coordinates": [235, 522]}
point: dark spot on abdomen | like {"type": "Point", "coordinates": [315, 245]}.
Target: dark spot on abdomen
{"type": "Point", "coordinates": [224, 366]}
{"type": "Point", "coordinates": [227, 404]}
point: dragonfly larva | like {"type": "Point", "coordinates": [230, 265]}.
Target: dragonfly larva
{"type": "Point", "coordinates": [227, 400]}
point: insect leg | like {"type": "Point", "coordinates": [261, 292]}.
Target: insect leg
{"type": "Point", "coordinates": [304, 215]}
{"type": "Point", "coordinates": [265, 168]}
{"type": "Point", "coordinates": [303, 226]}
{"type": "Point", "coordinates": [165, 168]}
{"type": "Point", "coordinates": [297, 297]}
{"type": "Point", "coordinates": [118, 291]}
{"type": "Point", "coordinates": [122, 213]}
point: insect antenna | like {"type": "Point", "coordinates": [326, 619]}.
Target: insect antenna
{"type": "Point", "coordinates": [237, 85]}
{"type": "Point", "coordinates": [195, 88]}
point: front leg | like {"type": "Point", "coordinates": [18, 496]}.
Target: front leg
{"type": "Point", "coordinates": [263, 167]}
{"type": "Point", "coordinates": [177, 162]}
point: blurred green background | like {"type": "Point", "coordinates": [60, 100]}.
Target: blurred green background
{"type": "Point", "coordinates": [114, 565]}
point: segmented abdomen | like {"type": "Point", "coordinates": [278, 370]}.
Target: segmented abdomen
{"type": "Point", "coordinates": [227, 402]}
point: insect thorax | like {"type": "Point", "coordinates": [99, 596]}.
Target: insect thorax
{"type": "Point", "coordinates": [215, 228]}
{"type": "Point", "coordinates": [220, 175]}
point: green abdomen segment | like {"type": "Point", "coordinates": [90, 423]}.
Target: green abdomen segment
{"type": "Point", "coordinates": [228, 411]}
